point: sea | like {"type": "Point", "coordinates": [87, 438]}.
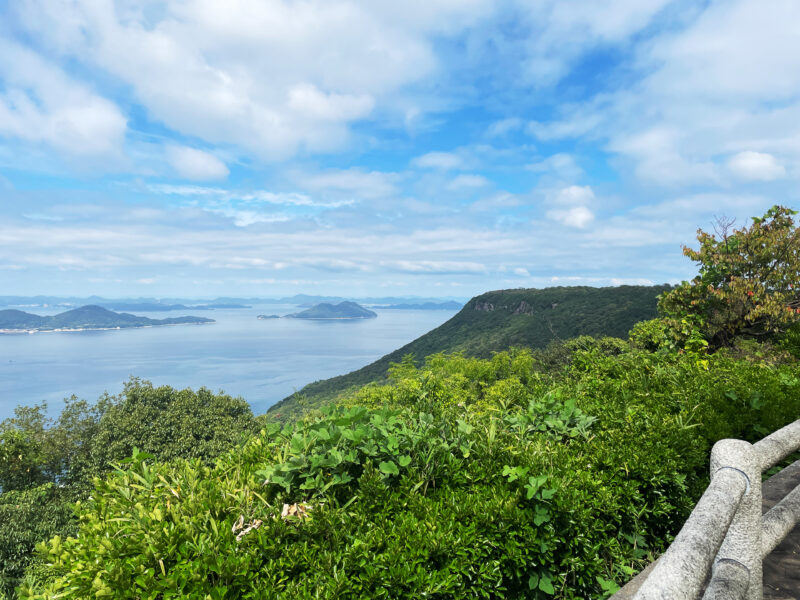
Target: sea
{"type": "Point", "coordinates": [263, 361]}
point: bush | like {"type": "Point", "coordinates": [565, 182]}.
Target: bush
{"type": "Point", "coordinates": [747, 283]}
{"type": "Point", "coordinates": [466, 478]}
{"type": "Point", "coordinates": [27, 518]}
{"type": "Point", "coordinates": [46, 464]}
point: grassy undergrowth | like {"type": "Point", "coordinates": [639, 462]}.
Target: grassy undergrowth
{"type": "Point", "coordinates": [529, 475]}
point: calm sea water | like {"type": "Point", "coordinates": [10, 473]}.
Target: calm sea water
{"type": "Point", "coordinates": [261, 360]}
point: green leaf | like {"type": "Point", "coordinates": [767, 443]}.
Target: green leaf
{"type": "Point", "coordinates": [389, 468]}
{"type": "Point", "coordinates": [546, 585]}
{"type": "Point", "coordinates": [404, 461]}
{"type": "Point", "coordinates": [533, 581]}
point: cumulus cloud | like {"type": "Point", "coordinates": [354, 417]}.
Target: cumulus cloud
{"type": "Point", "coordinates": [723, 82]}
{"type": "Point", "coordinates": [196, 164]}
{"type": "Point", "coordinates": [756, 166]}
{"type": "Point", "coordinates": [252, 73]}
{"type": "Point", "coordinates": [570, 206]}
{"type": "Point", "coordinates": [577, 216]}
{"type": "Point", "coordinates": [39, 103]}
{"type": "Point", "coordinates": [574, 194]}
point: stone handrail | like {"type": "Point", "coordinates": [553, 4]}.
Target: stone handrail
{"type": "Point", "coordinates": [719, 552]}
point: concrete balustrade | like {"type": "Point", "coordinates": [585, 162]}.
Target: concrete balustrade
{"type": "Point", "coordinates": [779, 521]}
{"type": "Point", "coordinates": [719, 552]}
{"type": "Point", "coordinates": [778, 445]}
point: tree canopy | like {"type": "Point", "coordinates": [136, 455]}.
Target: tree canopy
{"type": "Point", "coordinates": [747, 282]}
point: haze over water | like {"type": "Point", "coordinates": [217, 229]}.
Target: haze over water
{"type": "Point", "coordinates": [260, 360]}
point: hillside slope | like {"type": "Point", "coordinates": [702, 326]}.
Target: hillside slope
{"type": "Point", "coordinates": [498, 320]}
{"type": "Point", "coordinates": [343, 310]}
{"type": "Point", "coordinates": [85, 317]}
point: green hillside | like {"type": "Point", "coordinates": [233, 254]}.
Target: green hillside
{"type": "Point", "coordinates": [343, 310]}
{"type": "Point", "coordinates": [499, 320]}
{"type": "Point", "coordinates": [86, 317]}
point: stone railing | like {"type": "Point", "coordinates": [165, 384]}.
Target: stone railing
{"type": "Point", "coordinates": [719, 552]}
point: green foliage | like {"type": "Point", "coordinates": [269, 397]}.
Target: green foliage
{"type": "Point", "coordinates": [748, 280]}
{"type": "Point", "coordinates": [27, 518]}
{"type": "Point", "coordinates": [494, 322]}
{"type": "Point", "coordinates": [170, 423]}
{"type": "Point", "coordinates": [460, 478]}
{"type": "Point", "coordinates": [46, 464]}
{"type": "Point", "coordinates": [35, 449]}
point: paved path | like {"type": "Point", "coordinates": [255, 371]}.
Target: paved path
{"type": "Point", "coordinates": [782, 567]}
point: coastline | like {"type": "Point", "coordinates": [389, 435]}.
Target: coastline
{"type": "Point", "coordinates": [69, 330]}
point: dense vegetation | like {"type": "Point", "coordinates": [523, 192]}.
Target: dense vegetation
{"type": "Point", "coordinates": [496, 321]}
{"type": "Point", "coordinates": [45, 464]}
{"type": "Point", "coordinates": [86, 317]}
{"type": "Point", "coordinates": [502, 477]}
{"type": "Point", "coordinates": [542, 473]}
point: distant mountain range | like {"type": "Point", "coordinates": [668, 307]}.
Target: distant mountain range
{"type": "Point", "coordinates": [85, 317]}
{"type": "Point", "coordinates": [498, 320]}
{"type": "Point", "coordinates": [164, 304]}
{"type": "Point", "coordinates": [343, 310]}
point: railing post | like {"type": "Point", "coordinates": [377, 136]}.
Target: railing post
{"type": "Point", "coordinates": [742, 545]}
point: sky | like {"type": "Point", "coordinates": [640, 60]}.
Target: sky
{"type": "Point", "coordinates": [199, 148]}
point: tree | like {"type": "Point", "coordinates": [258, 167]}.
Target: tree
{"type": "Point", "coordinates": [46, 464]}
{"type": "Point", "coordinates": [170, 423]}
{"type": "Point", "coordinates": [748, 280]}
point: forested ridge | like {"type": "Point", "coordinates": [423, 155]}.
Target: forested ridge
{"type": "Point", "coordinates": [554, 472]}
{"type": "Point", "coordinates": [496, 321]}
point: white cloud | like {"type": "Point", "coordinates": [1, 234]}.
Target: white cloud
{"type": "Point", "coordinates": [277, 78]}
{"type": "Point", "coordinates": [196, 164]}
{"type": "Point", "coordinates": [39, 103]}
{"type": "Point", "coordinates": [436, 266]}
{"type": "Point", "coordinates": [438, 160]}
{"type": "Point", "coordinates": [497, 201]}
{"type": "Point", "coordinates": [756, 166]}
{"type": "Point", "coordinates": [258, 196]}
{"type": "Point", "coordinates": [357, 182]}
{"type": "Point", "coordinates": [468, 181]}
{"type": "Point", "coordinates": [504, 126]}
{"type": "Point", "coordinates": [574, 194]}
{"type": "Point", "coordinates": [560, 165]}
{"type": "Point", "coordinates": [560, 32]}
{"type": "Point", "coordinates": [577, 216]}
{"type": "Point", "coordinates": [723, 83]}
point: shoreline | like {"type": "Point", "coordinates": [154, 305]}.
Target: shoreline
{"type": "Point", "coordinates": [68, 330]}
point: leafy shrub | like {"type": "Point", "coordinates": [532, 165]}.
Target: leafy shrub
{"type": "Point", "coordinates": [46, 464]}
{"type": "Point", "coordinates": [27, 518]}
{"type": "Point", "coordinates": [463, 478]}
{"type": "Point", "coordinates": [747, 284]}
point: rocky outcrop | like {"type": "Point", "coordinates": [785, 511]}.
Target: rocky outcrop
{"type": "Point", "coordinates": [523, 309]}
{"type": "Point", "coordinates": [484, 306]}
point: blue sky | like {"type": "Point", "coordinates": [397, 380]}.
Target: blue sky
{"type": "Point", "coordinates": [428, 147]}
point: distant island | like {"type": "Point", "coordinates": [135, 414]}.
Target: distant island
{"type": "Point", "coordinates": [343, 310]}
{"type": "Point", "coordinates": [265, 317]}
{"type": "Point", "coordinates": [450, 305]}
{"type": "Point", "coordinates": [89, 317]}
